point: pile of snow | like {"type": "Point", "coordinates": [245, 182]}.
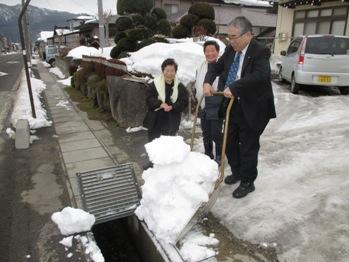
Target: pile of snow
{"type": "Point", "coordinates": [64, 103]}
{"type": "Point", "coordinates": [22, 107]}
{"type": "Point", "coordinates": [56, 71]}
{"type": "Point", "coordinates": [34, 61]}
{"type": "Point", "coordinates": [71, 220]}
{"type": "Point", "coordinates": [188, 54]}
{"type": "Point", "coordinates": [135, 129]}
{"type": "Point", "coordinates": [45, 64]}
{"type": "Point", "coordinates": [67, 241]}
{"type": "Point", "coordinates": [66, 82]}
{"type": "Point", "coordinates": [175, 187]}
{"type": "Point", "coordinates": [33, 138]}
{"type": "Point", "coordinates": [11, 134]}
{"type": "Point", "coordinates": [248, 2]}
{"type": "Point", "coordinates": [91, 248]}
{"type": "Point", "coordinates": [196, 247]}
{"type": "Point", "coordinates": [78, 52]}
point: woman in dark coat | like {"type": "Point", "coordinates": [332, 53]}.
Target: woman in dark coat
{"type": "Point", "coordinates": [166, 98]}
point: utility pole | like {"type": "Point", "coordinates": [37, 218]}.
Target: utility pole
{"type": "Point", "coordinates": [102, 42]}
{"type": "Point", "coordinates": [24, 52]}
{"type": "Point", "coordinates": [26, 34]}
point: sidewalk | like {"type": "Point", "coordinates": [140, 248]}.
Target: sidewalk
{"type": "Point", "coordinates": [85, 144]}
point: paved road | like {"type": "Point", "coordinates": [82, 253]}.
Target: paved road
{"type": "Point", "coordinates": [11, 65]}
{"type": "Point", "coordinates": [31, 189]}
{"type": "Point", "coordinates": [10, 69]}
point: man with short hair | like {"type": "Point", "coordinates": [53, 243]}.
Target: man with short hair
{"type": "Point", "coordinates": [211, 123]}
{"type": "Point", "coordinates": [244, 68]}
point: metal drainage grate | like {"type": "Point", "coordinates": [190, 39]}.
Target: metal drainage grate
{"type": "Point", "coordinates": [109, 193]}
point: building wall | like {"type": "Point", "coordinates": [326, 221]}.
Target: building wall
{"type": "Point", "coordinates": [285, 23]}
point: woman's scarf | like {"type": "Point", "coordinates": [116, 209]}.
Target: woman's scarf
{"type": "Point", "coordinates": [160, 88]}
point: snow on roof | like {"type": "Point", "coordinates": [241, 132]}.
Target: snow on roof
{"type": "Point", "coordinates": [44, 35]}
{"type": "Point", "coordinates": [248, 2]}
{"type": "Point", "coordinates": [63, 31]}
{"type": "Point", "coordinates": [84, 17]}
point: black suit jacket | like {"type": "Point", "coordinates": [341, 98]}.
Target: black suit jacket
{"type": "Point", "coordinates": [254, 88]}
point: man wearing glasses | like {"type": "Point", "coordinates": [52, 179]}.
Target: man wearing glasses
{"type": "Point", "coordinates": [245, 70]}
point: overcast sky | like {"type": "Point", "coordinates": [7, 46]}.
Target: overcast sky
{"type": "Point", "coordinates": [73, 6]}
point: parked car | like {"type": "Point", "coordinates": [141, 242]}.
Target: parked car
{"type": "Point", "coordinates": [50, 54]}
{"type": "Point", "coordinates": [319, 60]}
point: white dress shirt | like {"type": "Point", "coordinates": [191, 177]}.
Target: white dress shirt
{"type": "Point", "coordinates": [242, 57]}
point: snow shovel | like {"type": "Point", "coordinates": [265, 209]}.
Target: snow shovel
{"type": "Point", "coordinates": [206, 206]}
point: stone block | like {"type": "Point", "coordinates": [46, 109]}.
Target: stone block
{"type": "Point", "coordinates": [22, 134]}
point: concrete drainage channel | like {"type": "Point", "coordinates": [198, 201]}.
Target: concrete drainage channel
{"type": "Point", "coordinates": [111, 195]}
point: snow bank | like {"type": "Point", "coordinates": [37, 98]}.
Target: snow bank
{"type": "Point", "coordinates": [167, 150]}
{"type": "Point", "coordinates": [78, 52]}
{"type": "Point", "coordinates": [173, 190]}
{"type": "Point", "coordinates": [11, 133]}
{"type": "Point", "coordinates": [22, 107]}
{"type": "Point", "coordinates": [248, 2]}
{"type": "Point", "coordinates": [66, 82]}
{"type": "Point", "coordinates": [67, 241]}
{"type": "Point", "coordinates": [135, 129]}
{"type": "Point", "coordinates": [188, 54]}
{"type": "Point", "coordinates": [56, 71]}
{"type": "Point", "coordinates": [71, 220]}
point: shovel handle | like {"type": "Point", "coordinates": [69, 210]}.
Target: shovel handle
{"type": "Point", "coordinates": [225, 133]}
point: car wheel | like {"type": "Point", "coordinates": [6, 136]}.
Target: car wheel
{"type": "Point", "coordinates": [280, 75]}
{"type": "Point", "coordinates": [344, 90]}
{"type": "Point", "coordinates": [294, 85]}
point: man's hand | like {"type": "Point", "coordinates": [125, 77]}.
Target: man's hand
{"type": "Point", "coordinates": [227, 93]}
{"type": "Point", "coordinates": [207, 89]}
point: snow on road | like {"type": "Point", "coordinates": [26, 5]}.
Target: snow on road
{"type": "Point", "coordinates": [301, 199]}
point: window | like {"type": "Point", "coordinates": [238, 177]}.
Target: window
{"type": "Point", "coordinates": [294, 46]}
{"type": "Point", "coordinates": [327, 45]}
{"type": "Point", "coordinates": [325, 12]}
{"type": "Point", "coordinates": [310, 28]}
{"type": "Point", "coordinates": [338, 27]}
{"type": "Point", "coordinates": [171, 9]}
{"type": "Point", "coordinates": [320, 21]}
{"type": "Point", "coordinates": [298, 29]}
{"type": "Point", "coordinates": [324, 27]}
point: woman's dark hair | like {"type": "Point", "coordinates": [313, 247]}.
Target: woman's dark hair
{"type": "Point", "coordinates": [167, 62]}
{"type": "Point", "coordinates": [211, 42]}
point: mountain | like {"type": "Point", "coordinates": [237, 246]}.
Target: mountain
{"type": "Point", "coordinates": [40, 19]}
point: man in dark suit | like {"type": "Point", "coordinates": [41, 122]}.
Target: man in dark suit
{"type": "Point", "coordinates": [245, 70]}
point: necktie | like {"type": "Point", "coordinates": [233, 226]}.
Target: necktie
{"type": "Point", "coordinates": [233, 70]}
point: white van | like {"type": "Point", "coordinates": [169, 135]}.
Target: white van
{"type": "Point", "coordinates": [321, 60]}
{"type": "Point", "coordinates": [50, 54]}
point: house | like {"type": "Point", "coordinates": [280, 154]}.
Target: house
{"type": "Point", "coordinates": [83, 30]}
{"type": "Point", "coordinates": [299, 17]}
{"type": "Point", "coordinates": [258, 12]}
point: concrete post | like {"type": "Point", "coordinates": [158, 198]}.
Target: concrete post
{"type": "Point", "coordinates": [22, 140]}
